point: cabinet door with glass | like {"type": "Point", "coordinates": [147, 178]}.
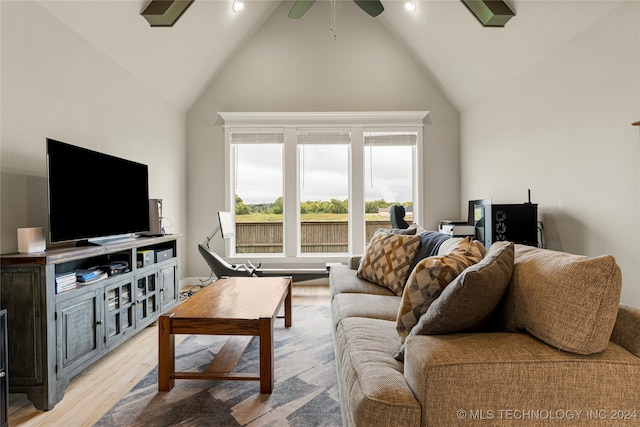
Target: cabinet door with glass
{"type": "Point", "coordinates": [146, 296]}
{"type": "Point", "coordinates": [119, 311]}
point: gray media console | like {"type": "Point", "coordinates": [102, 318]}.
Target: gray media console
{"type": "Point", "coordinates": [53, 336]}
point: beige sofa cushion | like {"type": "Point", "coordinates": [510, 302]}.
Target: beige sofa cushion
{"type": "Point", "coordinates": [429, 278]}
{"type": "Point", "coordinates": [568, 301]}
{"type": "Point", "coordinates": [372, 385]}
{"type": "Point", "coordinates": [501, 371]}
{"type": "Point", "coordinates": [344, 280]}
{"type": "Point", "coordinates": [411, 230]}
{"type": "Point", "coordinates": [387, 260]}
{"type": "Point", "coordinates": [468, 302]}
{"type": "Point", "coordinates": [364, 305]}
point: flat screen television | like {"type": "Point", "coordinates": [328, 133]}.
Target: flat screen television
{"type": "Point", "coordinates": [93, 196]}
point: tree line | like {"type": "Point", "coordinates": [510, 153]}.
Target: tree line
{"type": "Point", "coordinates": [333, 206]}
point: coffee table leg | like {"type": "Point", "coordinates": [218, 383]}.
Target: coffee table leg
{"type": "Point", "coordinates": [166, 354]}
{"type": "Point", "coordinates": [266, 355]}
{"type": "Point", "coordinates": [287, 306]}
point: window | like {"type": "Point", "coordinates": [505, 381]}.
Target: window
{"type": "Point", "coordinates": [257, 188]}
{"type": "Point", "coordinates": [389, 174]}
{"type": "Point", "coordinates": [311, 187]}
{"type": "Point", "coordinates": [323, 162]}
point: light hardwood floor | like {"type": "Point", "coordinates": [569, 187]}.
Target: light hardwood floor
{"type": "Point", "coordinates": [98, 388]}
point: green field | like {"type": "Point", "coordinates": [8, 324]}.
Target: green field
{"type": "Point", "coordinates": [258, 217]}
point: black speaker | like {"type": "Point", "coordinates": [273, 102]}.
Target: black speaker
{"type": "Point", "coordinates": [516, 223]}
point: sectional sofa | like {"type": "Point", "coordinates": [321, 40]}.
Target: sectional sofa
{"type": "Point", "coordinates": [524, 336]}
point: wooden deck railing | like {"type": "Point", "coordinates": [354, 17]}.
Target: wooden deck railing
{"type": "Point", "coordinates": [316, 236]}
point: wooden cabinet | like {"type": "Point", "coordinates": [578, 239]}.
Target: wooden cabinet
{"type": "Point", "coordinates": [78, 331]}
{"type": "Point", "coordinates": [4, 384]}
{"type": "Point", "coordinates": [54, 336]}
{"type": "Point", "coordinates": [146, 296]}
{"type": "Point", "coordinates": [119, 311]}
{"type": "Point", "coordinates": [169, 287]}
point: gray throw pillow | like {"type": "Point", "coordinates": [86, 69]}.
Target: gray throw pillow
{"type": "Point", "coordinates": [470, 299]}
{"type": "Point", "coordinates": [430, 278]}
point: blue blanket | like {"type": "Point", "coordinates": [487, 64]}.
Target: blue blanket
{"type": "Point", "coordinates": [429, 245]}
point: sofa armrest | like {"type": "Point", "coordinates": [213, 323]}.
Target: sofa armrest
{"type": "Point", "coordinates": [626, 331]}
{"type": "Point", "coordinates": [354, 261]}
{"type": "Point", "coordinates": [487, 376]}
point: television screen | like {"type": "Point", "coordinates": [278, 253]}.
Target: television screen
{"type": "Point", "coordinates": [94, 195]}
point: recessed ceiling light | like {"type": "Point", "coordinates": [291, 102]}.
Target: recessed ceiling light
{"type": "Point", "coordinates": [410, 5]}
{"type": "Point", "coordinates": [238, 5]}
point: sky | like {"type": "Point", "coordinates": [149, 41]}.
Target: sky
{"type": "Point", "coordinates": [325, 173]}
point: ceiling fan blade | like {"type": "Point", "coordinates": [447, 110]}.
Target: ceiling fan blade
{"type": "Point", "coordinates": [300, 7]}
{"type": "Point", "coordinates": [372, 7]}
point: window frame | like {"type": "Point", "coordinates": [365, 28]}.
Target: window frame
{"type": "Point", "coordinates": [358, 122]}
{"type": "Point", "coordinates": [342, 134]}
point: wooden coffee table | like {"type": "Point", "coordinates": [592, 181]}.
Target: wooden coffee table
{"type": "Point", "coordinates": [237, 306]}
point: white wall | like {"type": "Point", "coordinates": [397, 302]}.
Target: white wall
{"type": "Point", "coordinates": [55, 84]}
{"type": "Point", "coordinates": [294, 65]}
{"type": "Point", "coordinates": [562, 129]}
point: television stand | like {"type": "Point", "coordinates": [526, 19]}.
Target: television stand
{"type": "Point", "coordinates": [54, 335]}
{"type": "Point", "coordinates": [104, 241]}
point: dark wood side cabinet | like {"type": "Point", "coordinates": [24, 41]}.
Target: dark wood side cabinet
{"type": "Point", "coordinates": [54, 336]}
{"type": "Point", "coordinates": [4, 379]}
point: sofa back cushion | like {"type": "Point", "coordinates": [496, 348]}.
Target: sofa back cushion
{"type": "Point", "coordinates": [568, 301]}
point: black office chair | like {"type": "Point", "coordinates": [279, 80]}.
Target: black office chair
{"type": "Point", "coordinates": [396, 213]}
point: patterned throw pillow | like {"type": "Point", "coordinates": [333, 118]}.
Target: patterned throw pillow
{"type": "Point", "coordinates": [429, 278]}
{"type": "Point", "coordinates": [387, 260]}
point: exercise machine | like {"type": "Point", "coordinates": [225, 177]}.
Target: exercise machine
{"type": "Point", "coordinates": [220, 267]}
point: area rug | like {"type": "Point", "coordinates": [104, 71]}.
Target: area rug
{"type": "Point", "coordinates": [305, 391]}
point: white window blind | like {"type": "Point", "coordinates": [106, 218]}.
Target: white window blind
{"type": "Point", "coordinates": [257, 136]}
{"type": "Point", "coordinates": [390, 137]}
{"type": "Point", "coordinates": [324, 136]}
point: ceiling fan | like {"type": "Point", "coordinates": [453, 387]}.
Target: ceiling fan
{"type": "Point", "coordinates": [490, 13]}
{"type": "Point", "coordinates": [371, 7]}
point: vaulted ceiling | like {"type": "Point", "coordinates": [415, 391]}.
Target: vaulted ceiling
{"type": "Point", "coordinates": [467, 60]}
